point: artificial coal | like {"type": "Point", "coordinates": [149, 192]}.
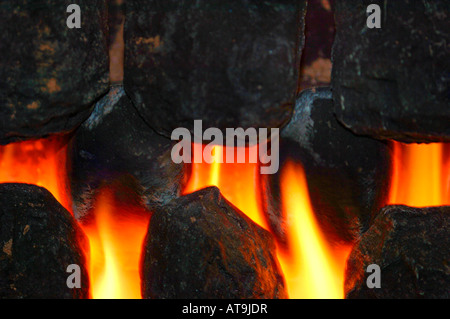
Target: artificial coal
{"type": "Point", "coordinates": [39, 239]}
{"type": "Point", "coordinates": [116, 145]}
{"type": "Point", "coordinates": [393, 82]}
{"type": "Point", "coordinates": [411, 246]}
{"type": "Point", "coordinates": [347, 175]}
{"type": "Point", "coordinates": [201, 246]}
{"type": "Point", "coordinates": [50, 75]}
{"type": "Point", "coordinates": [227, 63]}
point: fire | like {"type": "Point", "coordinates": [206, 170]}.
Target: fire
{"type": "Point", "coordinates": [421, 175]}
{"type": "Point", "coordinates": [238, 182]}
{"type": "Point", "coordinates": [116, 236]}
{"type": "Point", "coordinates": [312, 269]}
{"type": "Point", "coordinates": [446, 178]}
{"type": "Point", "coordinates": [39, 162]}
{"type": "Point", "coordinates": [116, 232]}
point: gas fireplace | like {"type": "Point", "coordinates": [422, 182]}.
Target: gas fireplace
{"type": "Point", "coordinates": [215, 149]}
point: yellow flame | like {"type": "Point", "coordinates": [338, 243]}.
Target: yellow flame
{"type": "Point", "coordinates": [310, 268]}
{"type": "Point", "coordinates": [116, 242]}
{"type": "Point", "coordinates": [217, 154]}
{"type": "Point", "coordinates": [238, 182]}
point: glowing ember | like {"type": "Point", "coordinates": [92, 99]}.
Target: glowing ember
{"type": "Point", "coordinates": [40, 162]}
{"type": "Point", "coordinates": [311, 268]}
{"type": "Point", "coordinates": [421, 175]}
{"type": "Point", "coordinates": [116, 237]}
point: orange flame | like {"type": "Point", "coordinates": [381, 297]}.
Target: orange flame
{"type": "Point", "coordinates": [446, 179]}
{"type": "Point", "coordinates": [421, 175]}
{"type": "Point", "coordinates": [39, 162]}
{"type": "Point", "coordinates": [311, 268]}
{"type": "Point", "coordinates": [238, 182]}
{"type": "Point", "coordinates": [116, 237]}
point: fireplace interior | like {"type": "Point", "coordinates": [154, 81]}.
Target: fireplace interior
{"type": "Point", "coordinates": [94, 206]}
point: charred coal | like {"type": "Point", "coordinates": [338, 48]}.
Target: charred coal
{"type": "Point", "coordinates": [393, 82]}
{"type": "Point", "coordinates": [39, 240]}
{"type": "Point", "coordinates": [50, 75]}
{"type": "Point", "coordinates": [201, 246]}
{"type": "Point", "coordinates": [228, 63]}
{"type": "Point", "coordinates": [411, 246]}
{"type": "Point", "coordinates": [115, 144]}
{"type": "Point", "coordinates": [347, 174]}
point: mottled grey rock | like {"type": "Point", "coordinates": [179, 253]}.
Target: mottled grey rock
{"type": "Point", "coordinates": [200, 246]}
{"type": "Point", "coordinates": [347, 174]}
{"type": "Point", "coordinates": [50, 75]}
{"type": "Point", "coordinates": [412, 248]}
{"type": "Point", "coordinates": [228, 63]}
{"type": "Point", "coordinates": [39, 239]}
{"type": "Point", "coordinates": [115, 144]}
{"type": "Point", "coordinates": [394, 82]}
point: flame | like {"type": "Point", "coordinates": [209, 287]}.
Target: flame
{"type": "Point", "coordinates": [116, 233]}
{"type": "Point", "coordinates": [312, 269]}
{"type": "Point", "coordinates": [39, 162]}
{"type": "Point", "coordinates": [446, 179]}
{"type": "Point", "coordinates": [238, 182]}
{"type": "Point", "coordinates": [116, 238]}
{"type": "Point", "coordinates": [421, 175]}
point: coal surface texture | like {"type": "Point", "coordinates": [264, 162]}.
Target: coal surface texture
{"type": "Point", "coordinates": [394, 82]}
{"type": "Point", "coordinates": [228, 63]}
{"type": "Point", "coordinates": [347, 174]}
{"type": "Point", "coordinates": [39, 239]}
{"type": "Point", "coordinates": [115, 146]}
{"type": "Point", "coordinates": [50, 75]}
{"type": "Point", "coordinates": [200, 246]}
{"type": "Point", "coordinates": [412, 248]}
